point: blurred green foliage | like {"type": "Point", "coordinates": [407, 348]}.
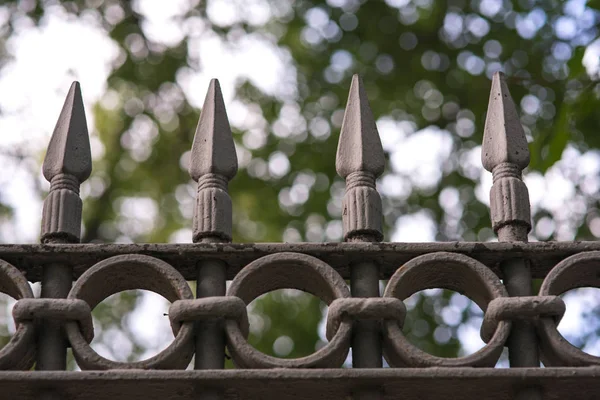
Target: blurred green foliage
{"type": "Point", "coordinates": [425, 64]}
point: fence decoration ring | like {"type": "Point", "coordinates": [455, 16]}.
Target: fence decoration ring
{"type": "Point", "coordinates": [207, 308]}
{"type": "Point", "coordinates": [579, 270]}
{"type": "Point", "coordinates": [373, 308]}
{"type": "Point", "coordinates": [19, 352]}
{"type": "Point", "coordinates": [128, 272]}
{"type": "Point", "coordinates": [288, 270]}
{"type": "Point", "coordinates": [520, 308]}
{"type": "Point", "coordinates": [57, 310]}
{"type": "Point", "coordinates": [451, 271]}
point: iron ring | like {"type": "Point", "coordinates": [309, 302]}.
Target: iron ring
{"type": "Point", "coordinates": [579, 270]}
{"type": "Point", "coordinates": [19, 352]}
{"type": "Point", "coordinates": [451, 271]}
{"type": "Point", "coordinates": [281, 271]}
{"type": "Point", "coordinates": [128, 272]}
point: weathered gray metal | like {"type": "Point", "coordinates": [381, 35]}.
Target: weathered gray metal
{"type": "Point", "coordinates": [360, 160]}
{"type": "Point", "coordinates": [451, 271]}
{"type": "Point", "coordinates": [380, 309]}
{"type": "Point", "coordinates": [67, 164]}
{"type": "Point", "coordinates": [280, 271]}
{"type": "Point", "coordinates": [127, 272]}
{"type": "Point", "coordinates": [18, 353]}
{"type": "Point", "coordinates": [358, 318]}
{"type": "Point", "coordinates": [505, 154]}
{"type": "Point", "coordinates": [580, 270]}
{"type": "Point", "coordinates": [294, 384]}
{"type": "Point", "coordinates": [542, 256]}
{"type": "Point", "coordinates": [56, 309]}
{"type": "Point", "coordinates": [209, 308]}
{"type": "Point", "coordinates": [213, 164]}
{"type": "Point", "coordinates": [520, 308]}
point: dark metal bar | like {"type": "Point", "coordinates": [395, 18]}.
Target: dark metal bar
{"type": "Point", "coordinates": [210, 337]}
{"type": "Point", "coordinates": [522, 343]}
{"type": "Point", "coordinates": [210, 340]}
{"type": "Point", "coordinates": [52, 344]}
{"type": "Point", "coordinates": [366, 335]}
{"type": "Point", "coordinates": [366, 339]}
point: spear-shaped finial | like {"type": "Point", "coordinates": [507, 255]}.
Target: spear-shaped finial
{"type": "Point", "coordinates": [505, 153]}
{"type": "Point", "coordinates": [213, 164]}
{"type": "Point", "coordinates": [503, 138]}
{"type": "Point", "coordinates": [67, 164]}
{"type": "Point", "coordinates": [360, 160]}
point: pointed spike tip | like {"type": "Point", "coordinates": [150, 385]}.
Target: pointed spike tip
{"type": "Point", "coordinates": [69, 147]}
{"type": "Point", "coordinates": [213, 150]}
{"type": "Point", "coordinates": [359, 147]}
{"type": "Point", "coordinates": [504, 140]}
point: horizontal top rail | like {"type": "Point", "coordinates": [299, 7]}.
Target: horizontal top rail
{"type": "Point", "coordinates": [543, 255]}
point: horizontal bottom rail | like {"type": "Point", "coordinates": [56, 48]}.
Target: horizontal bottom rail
{"type": "Point", "coordinates": [287, 384]}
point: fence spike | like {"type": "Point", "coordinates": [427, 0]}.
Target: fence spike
{"type": "Point", "coordinates": [503, 138]}
{"type": "Point", "coordinates": [360, 160]}
{"type": "Point", "coordinates": [213, 151]}
{"type": "Point", "coordinates": [69, 148]}
{"type": "Point", "coordinates": [67, 164]}
{"type": "Point", "coordinates": [359, 148]}
{"type": "Point", "coordinates": [213, 164]}
{"type": "Point", "coordinates": [505, 153]}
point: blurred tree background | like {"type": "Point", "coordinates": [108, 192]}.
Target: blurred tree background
{"type": "Point", "coordinates": [426, 66]}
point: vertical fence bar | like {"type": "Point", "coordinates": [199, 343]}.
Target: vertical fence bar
{"type": "Point", "coordinates": [505, 154]}
{"type": "Point", "coordinates": [360, 160]}
{"type": "Point", "coordinates": [213, 164]}
{"type": "Point", "coordinates": [67, 164]}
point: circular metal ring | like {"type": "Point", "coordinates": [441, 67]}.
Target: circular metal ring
{"type": "Point", "coordinates": [579, 270]}
{"type": "Point", "coordinates": [281, 271]}
{"type": "Point", "coordinates": [19, 352]}
{"type": "Point", "coordinates": [451, 271]}
{"type": "Point", "coordinates": [128, 272]}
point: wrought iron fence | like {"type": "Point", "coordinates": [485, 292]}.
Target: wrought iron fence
{"type": "Point", "coordinates": [497, 276]}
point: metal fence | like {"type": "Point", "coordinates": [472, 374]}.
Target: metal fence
{"type": "Point", "coordinates": [497, 276]}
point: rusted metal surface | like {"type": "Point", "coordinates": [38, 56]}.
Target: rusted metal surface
{"type": "Point", "coordinates": [323, 384]}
